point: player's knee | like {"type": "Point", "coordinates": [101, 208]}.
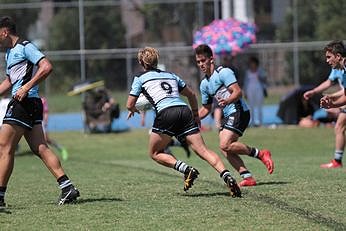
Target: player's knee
{"type": "Point", "coordinates": [6, 149]}
{"type": "Point", "coordinates": [339, 128]}
{"type": "Point", "coordinates": [153, 155]}
{"type": "Point", "coordinates": [225, 146]}
{"type": "Point", "coordinates": [40, 150]}
{"type": "Point", "coordinates": [213, 160]}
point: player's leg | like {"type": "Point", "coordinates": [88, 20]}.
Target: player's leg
{"type": "Point", "coordinates": [36, 141]}
{"type": "Point", "coordinates": [61, 149]}
{"type": "Point", "coordinates": [339, 131]}
{"type": "Point", "coordinates": [198, 145]}
{"type": "Point", "coordinates": [218, 117]}
{"type": "Point", "coordinates": [51, 142]}
{"type": "Point", "coordinates": [176, 143]}
{"type": "Point", "coordinates": [9, 138]}
{"type": "Point", "coordinates": [232, 128]}
{"type": "Point", "coordinates": [231, 150]}
{"type": "Point", "coordinates": [157, 143]}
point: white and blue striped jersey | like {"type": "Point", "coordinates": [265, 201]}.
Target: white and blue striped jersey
{"type": "Point", "coordinates": [216, 86]}
{"type": "Point", "coordinates": [338, 75]}
{"type": "Point", "coordinates": [160, 88]}
{"type": "Point", "coordinates": [21, 65]}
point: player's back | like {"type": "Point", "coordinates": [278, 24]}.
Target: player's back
{"type": "Point", "coordinates": [162, 88]}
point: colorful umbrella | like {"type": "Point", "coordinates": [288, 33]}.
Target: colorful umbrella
{"type": "Point", "coordinates": [226, 36]}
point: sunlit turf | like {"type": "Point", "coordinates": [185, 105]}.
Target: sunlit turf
{"type": "Point", "coordinates": [123, 189]}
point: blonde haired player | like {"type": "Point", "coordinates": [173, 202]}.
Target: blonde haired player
{"type": "Point", "coordinates": [173, 118]}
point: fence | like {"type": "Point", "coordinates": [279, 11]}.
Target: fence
{"type": "Point", "coordinates": [177, 56]}
{"type": "Point", "coordinates": [274, 58]}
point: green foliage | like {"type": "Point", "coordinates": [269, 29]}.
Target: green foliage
{"type": "Point", "coordinates": [123, 189]}
{"type": "Point", "coordinates": [23, 17]}
{"type": "Point", "coordinates": [161, 18]}
{"type": "Point", "coordinates": [317, 20]}
{"type": "Point", "coordinates": [331, 20]}
{"type": "Point", "coordinates": [103, 30]}
{"type": "Point", "coordinates": [64, 30]}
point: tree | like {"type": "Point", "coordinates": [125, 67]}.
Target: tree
{"type": "Point", "coordinates": [331, 20]}
{"type": "Point", "coordinates": [317, 20]}
{"type": "Point", "coordinates": [23, 17]}
{"type": "Point", "coordinates": [103, 30]}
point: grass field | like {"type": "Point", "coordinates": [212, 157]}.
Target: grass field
{"type": "Point", "coordinates": [123, 189]}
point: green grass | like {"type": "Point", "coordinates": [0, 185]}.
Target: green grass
{"type": "Point", "coordinates": [123, 189]}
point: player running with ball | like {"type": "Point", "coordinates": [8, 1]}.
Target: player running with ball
{"type": "Point", "coordinates": [173, 118]}
{"type": "Point", "coordinates": [221, 83]}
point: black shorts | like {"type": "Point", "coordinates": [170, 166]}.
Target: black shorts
{"type": "Point", "coordinates": [25, 113]}
{"type": "Point", "coordinates": [236, 122]}
{"type": "Point", "coordinates": [175, 121]}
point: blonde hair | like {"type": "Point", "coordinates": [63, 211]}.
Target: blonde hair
{"type": "Point", "coordinates": [148, 57]}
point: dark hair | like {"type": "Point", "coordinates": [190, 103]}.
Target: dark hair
{"type": "Point", "coordinates": [336, 47]}
{"type": "Point", "coordinates": [254, 60]}
{"type": "Point", "coordinates": [204, 49]}
{"type": "Point", "coordinates": [8, 22]}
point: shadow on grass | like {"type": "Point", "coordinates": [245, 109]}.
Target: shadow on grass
{"type": "Point", "coordinates": [213, 194]}
{"type": "Point", "coordinates": [24, 153]}
{"type": "Point", "coordinates": [5, 211]}
{"type": "Point", "coordinates": [273, 183]}
{"type": "Point", "coordinates": [91, 200]}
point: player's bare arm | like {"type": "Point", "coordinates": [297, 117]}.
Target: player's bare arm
{"type": "Point", "coordinates": [204, 111]}
{"type": "Point", "coordinates": [319, 89]}
{"type": "Point", "coordinates": [130, 105]}
{"type": "Point", "coordinates": [327, 102]}
{"type": "Point", "coordinates": [236, 93]}
{"type": "Point", "coordinates": [44, 69]}
{"type": "Point", "coordinates": [192, 98]}
{"type": "Point", "coordinates": [337, 95]}
{"type": "Point", "coordinates": [5, 86]}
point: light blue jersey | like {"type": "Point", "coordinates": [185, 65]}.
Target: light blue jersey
{"type": "Point", "coordinates": [338, 75]}
{"type": "Point", "coordinates": [160, 88]}
{"type": "Point", "coordinates": [216, 86]}
{"type": "Point", "coordinates": [21, 65]}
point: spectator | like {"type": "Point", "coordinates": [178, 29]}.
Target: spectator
{"type": "Point", "coordinates": [255, 90]}
{"type": "Point", "coordinates": [100, 109]}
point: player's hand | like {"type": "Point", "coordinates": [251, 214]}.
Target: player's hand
{"type": "Point", "coordinates": [198, 121]}
{"type": "Point", "coordinates": [326, 102]}
{"type": "Point", "coordinates": [307, 95]}
{"type": "Point", "coordinates": [132, 113]}
{"type": "Point", "coordinates": [21, 93]}
{"type": "Point", "coordinates": [222, 102]}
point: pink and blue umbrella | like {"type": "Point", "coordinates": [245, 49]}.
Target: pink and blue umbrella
{"type": "Point", "coordinates": [226, 36]}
